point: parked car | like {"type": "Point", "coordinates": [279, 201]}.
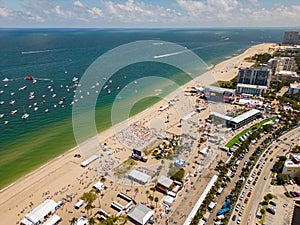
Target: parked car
{"type": "Point", "coordinates": [234, 217]}
{"type": "Point", "coordinates": [272, 203]}
{"type": "Point", "coordinates": [249, 194]}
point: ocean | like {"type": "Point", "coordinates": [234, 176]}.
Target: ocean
{"type": "Point", "coordinates": [55, 56]}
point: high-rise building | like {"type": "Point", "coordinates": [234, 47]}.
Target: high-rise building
{"type": "Point", "coordinates": [291, 38]}
{"type": "Point", "coordinates": [253, 80]}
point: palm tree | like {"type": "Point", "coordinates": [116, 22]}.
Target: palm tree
{"type": "Point", "coordinates": [88, 207]}
{"type": "Point", "coordinates": [156, 200]}
{"type": "Point", "coordinates": [92, 221]}
{"type": "Point", "coordinates": [136, 190]}
{"type": "Point", "coordinates": [73, 221]}
{"type": "Point", "coordinates": [151, 199]}
{"type": "Point", "coordinates": [98, 192]}
{"type": "Point", "coordinates": [147, 195]}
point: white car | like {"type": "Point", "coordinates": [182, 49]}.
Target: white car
{"type": "Point", "coordinates": [243, 207]}
{"type": "Point", "coordinates": [239, 220]}
{"type": "Point", "coordinates": [246, 186]}
{"type": "Point", "coordinates": [241, 197]}
{"type": "Point", "coordinates": [251, 188]}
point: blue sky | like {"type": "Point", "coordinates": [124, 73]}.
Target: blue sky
{"type": "Point", "coordinates": [149, 13]}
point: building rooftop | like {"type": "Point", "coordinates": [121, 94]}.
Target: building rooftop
{"type": "Point", "coordinates": [245, 115]}
{"type": "Point", "coordinates": [220, 115]}
{"type": "Point", "coordinates": [290, 164]}
{"type": "Point", "coordinates": [140, 213]}
{"type": "Point", "coordinates": [139, 176]}
{"type": "Point", "coordinates": [295, 85]}
{"type": "Point", "coordinates": [287, 73]}
{"type": "Point", "coordinates": [165, 181]}
{"type": "Point", "coordinates": [252, 86]}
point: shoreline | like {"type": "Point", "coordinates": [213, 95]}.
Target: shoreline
{"type": "Point", "coordinates": [215, 73]}
{"type": "Point", "coordinates": [67, 168]}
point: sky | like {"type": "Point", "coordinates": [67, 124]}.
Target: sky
{"type": "Point", "coordinates": [149, 13]}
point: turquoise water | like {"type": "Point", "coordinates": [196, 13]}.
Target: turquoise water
{"type": "Point", "coordinates": [55, 56]}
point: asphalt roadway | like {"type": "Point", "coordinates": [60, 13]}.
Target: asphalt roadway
{"type": "Point", "coordinates": [248, 216]}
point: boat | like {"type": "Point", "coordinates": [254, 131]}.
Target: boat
{"type": "Point", "coordinates": [12, 102]}
{"type": "Point", "coordinates": [54, 95]}
{"type": "Point", "coordinates": [5, 85]}
{"type": "Point", "coordinates": [1, 116]}
{"type": "Point", "coordinates": [14, 112]}
{"type": "Point", "coordinates": [5, 122]}
{"type": "Point", "coordinates": [1, 91]}
{"type": "Point", "coordinates": [22, 88]}
{"type": "Point", "coordinates": [5, 79]}
{"type": "Point", "coordinates": [25, 116]}
{"type": "Point", "coordinates": [34, 81]}
{"type": "Point", "coordinates": [36, 108]}
{"type": "Point", "coordinates": [46, 110]}
{"type": "Point", "coordinates": [2, 103]}
{"type": "Point", "coordinates": [12, 93]}
{"type": "Point", "coordinates": [28, 78]}
{"type": "Point", "coordinates": [31, 97]}
{"type": "Point", "coordinates": [75, 79]}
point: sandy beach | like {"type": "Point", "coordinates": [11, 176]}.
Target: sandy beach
{"type": "Point", "coordinates": [63, 175]}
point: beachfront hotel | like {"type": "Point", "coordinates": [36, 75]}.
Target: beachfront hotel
{"type": "Point", "coordinates": [291, 38]}
{"type": "Point", "coordinates": [253, 80]}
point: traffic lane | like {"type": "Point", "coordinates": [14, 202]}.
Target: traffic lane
{"type": "Point", "coordinates": [258, 190]}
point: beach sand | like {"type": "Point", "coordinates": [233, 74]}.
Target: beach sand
{"type": "Point", "coordinates": [63, 175]}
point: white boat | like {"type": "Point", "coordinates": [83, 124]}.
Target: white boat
{"type": "Point", "coordinates": [43, 96]}
{"type": "Point", "coordinates": [46, 110]}
{"type": "Point", "coordinates": [12, 93]}
{"type": "Point", "coordinates": [110, 81]}
{"type": "Point", "coordinates": [35, 109]}
{"type": "Point", "coordinates": [22, 88]}
{"type": "Point", "coordinates": [108, 91]}
{"type": "Point", "coordinates": [12, 102]}
{"type": "Point", "coordinates": [49, 87]}
{"type": "Point", "coordinates": [105, 87]}
{"type": "Point", "coordinates": [25, 116]}
{"type": "Point", "coordinates": [31, 97]}
{"type": "Point", "coordinates": [75, 79]}
{"type": "Point", "coordinates": [54, 95]}
{"type": "Point", "coordinates": [5, 122]}
{"type": "Point", "coordinates": [35, 104]}
{"type": "Point", "coordinates": [34, 81]}
{"type": "Point", "coordinates": [14, 112]}
{"type": "Point", "coordinates": [2, 103]}
{"type": "Point", "coordinates": [1, 91]}
{"type": "Point", "coordinates": [1, 116]}
{"type": "Point", "coordinates": [60, 102]}
{"type": "Point", "coordinates": [5, 79]}
{"type": "Point", "coordinates": [5, 85]}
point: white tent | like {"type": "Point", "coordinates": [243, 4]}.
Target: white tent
{"type": "Point", "coordinates": [53, 220]}
{"type": "Point", "coordinates": [139, 177]}
{"type": "Point", "coordinates": [99, 185]}
{"type": "Point", "coordinates": [140, 213]}
{"type": "Point", "coordinates": [169, 200]}
{"type": "Point", "coordinates": [38, 214]}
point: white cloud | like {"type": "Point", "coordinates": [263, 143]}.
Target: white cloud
{"type": "Point", "coordinates": [139, 13]}
{"type": "Point", "coordinates": [4, 12]}
{"type": "Point", "coordinates": [95, 12]}
{"type": "Point", "coordinates": [78, 4]}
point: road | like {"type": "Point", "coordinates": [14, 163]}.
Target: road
{"type": "Point", "coordinates": [251, 208]}
{"type": "Point", "coordinates": [221, 199]}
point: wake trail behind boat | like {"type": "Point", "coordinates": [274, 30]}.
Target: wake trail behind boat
{"type": "Point", "coordinates": [39, 51]}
